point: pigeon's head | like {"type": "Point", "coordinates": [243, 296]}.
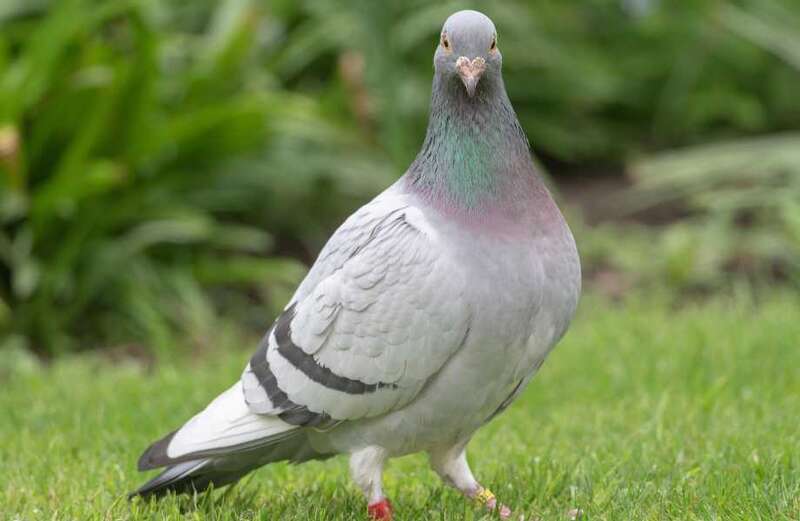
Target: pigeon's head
{"type": "Point", "coordinates": [468, 50]}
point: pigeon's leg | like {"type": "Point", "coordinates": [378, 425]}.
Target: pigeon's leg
{"type": "Point", "coordinates": [451, 465]}
{"type": "Point", "coordinates": [366, 467]}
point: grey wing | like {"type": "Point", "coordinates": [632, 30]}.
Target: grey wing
{"type": "Point", "coordinates": [381, 312]}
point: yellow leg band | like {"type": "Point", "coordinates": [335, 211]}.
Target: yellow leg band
{"type": "Point", "coordinates": [484, 497]}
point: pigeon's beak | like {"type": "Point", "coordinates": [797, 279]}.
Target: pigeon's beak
{"type": "Point", "coordinates": [470, 72]}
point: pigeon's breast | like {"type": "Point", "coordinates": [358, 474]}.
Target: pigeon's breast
{"type": "Point", "coordinates": [521, 286]}
{"type": "Point", "coordinates": [524, 273]}
{"type": "Point", "coordinates": [526, 288]}
{"type": "Point", "coordinates": [522, 294]}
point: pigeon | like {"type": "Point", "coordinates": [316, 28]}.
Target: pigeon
{"type": "Point", "coordinates": [425, 315]}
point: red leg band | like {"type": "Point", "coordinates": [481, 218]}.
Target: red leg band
{"type": "Point", "coordinates": [380, 511]}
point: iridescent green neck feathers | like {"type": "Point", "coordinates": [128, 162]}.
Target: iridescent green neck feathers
{"type": "Point", "coordinates": [475, 154]}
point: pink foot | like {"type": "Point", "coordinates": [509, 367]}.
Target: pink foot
{"type": "Point", "coordinates": [504, 512]}
{"type": "Point", "coordinates": [485, 497]}
{"type": "Point", "coordinates": [380, 511]}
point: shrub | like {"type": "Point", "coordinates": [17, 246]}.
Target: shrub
{"type": "Point", "coordinates": [149, 160]}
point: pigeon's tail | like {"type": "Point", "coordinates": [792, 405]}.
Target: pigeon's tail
{"type": "Point", "coordinates": [220, 445]}
{"type": "Point", "coordinates": [198, 475]}
{"type": "Point", "coordinates": [183, 477]}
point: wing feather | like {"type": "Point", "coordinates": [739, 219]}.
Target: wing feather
{"type": "Point", "coordinates": [380, 313]}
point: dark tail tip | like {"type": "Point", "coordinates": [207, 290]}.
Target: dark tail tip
{"type": "Point", "coordinates": [182, 477]}
{"type": "Point", "coordinates": [156, 454]}
{"type": "Point", "coordinates": [191, 476]}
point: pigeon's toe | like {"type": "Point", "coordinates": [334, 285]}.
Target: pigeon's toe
{"type": "Point", "coordinates": [485, 497]}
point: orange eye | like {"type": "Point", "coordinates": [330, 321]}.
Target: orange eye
{"type": "Point", "coordinates": [445, 41]}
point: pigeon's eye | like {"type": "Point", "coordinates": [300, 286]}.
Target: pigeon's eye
{"type": "Point", "coordinates": [445, 41]}
{"type": "Point", "coordinates": [493, 45]}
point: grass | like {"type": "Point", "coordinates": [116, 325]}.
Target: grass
{"type": "Point", "coordinates": [648, 410]}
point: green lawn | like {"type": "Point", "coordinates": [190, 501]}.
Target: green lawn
{"type": "Point", "coordinates": [650, 409]}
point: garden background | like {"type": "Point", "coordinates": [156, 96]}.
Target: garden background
{"type": "Point", "coordinates": [170, 169]}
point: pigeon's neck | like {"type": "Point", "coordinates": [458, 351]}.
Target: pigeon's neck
{"type": "Point", "coordinates": [475, 158]}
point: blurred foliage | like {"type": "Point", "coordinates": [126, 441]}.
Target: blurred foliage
{"type": "Point", "coordinates": [164, 160]}
{"type": "Point", "coordinates": [744, 207]}
{"type": "Point", "coordinates": [592, 81]}
{"type": "Point", "coordinates": [742, 196]}
{"type": "Point", "coordinates": [147, 158]}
